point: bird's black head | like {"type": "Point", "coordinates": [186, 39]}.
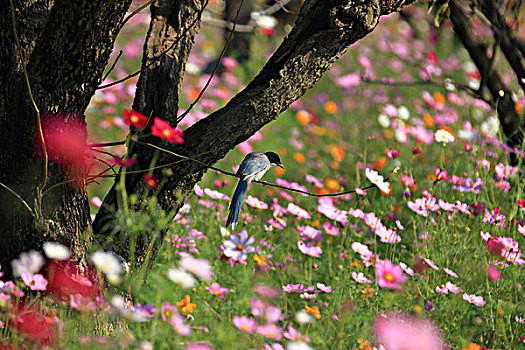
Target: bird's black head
{"type": "Point", "coordinates": [274, 159]}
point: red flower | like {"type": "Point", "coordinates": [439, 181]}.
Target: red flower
{"type": "Point", "coordinates": [494, 246]}
{"type": "Point", "coordinates": [151, 180]}
{"type": "Point", "coordinates": [35, 326]}
{"type": "Point", "coordinates": [65, 140]}
{"type": "Point", "coordinates": [134, 118]}
{"type": "Point", "coordinates": [65, 279]}
{"type": "Point", "coordinates": [162, 129]}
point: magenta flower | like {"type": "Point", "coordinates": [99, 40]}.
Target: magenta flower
{"type": "Point", "coordinates": [217, 290]}
{"type": "Point", "coordinates": [245, 324]}
{"type": "Point", "coordinates": [400, 332]}
{"type": "Point", "coordinates": [494, 274]}
{"type": "Point", "coordinates": [474, 299]}
{"type": "Point", "coordinates": [389, 276]}
{"type": "Point", "coordinates": [35, 282]}
{"type": "Point", "coordinates": [310, 249]}
{"type": "Point", "coordinates": [270, 331]}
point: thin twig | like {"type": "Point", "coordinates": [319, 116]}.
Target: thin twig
{"type": "Point", "coordinates": [19, 197]}
{"type": "Point", "coordinates": [156, 58]}
{"type": "Point", "coordinates": [336, 194]}
{"type": "Point", "coordinates": [107, 144]}
{"type": "Point", "coordinates": [26, 78]}
{"type": "Point", "coordinates": [181, 117]}
{"type": "Point", "coordinates": [112, 66]}
{"type": "Point", "coordinates": [135, 12]}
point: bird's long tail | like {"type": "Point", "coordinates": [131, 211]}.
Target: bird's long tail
{"type": "Point", "coordinates": [236, 204]}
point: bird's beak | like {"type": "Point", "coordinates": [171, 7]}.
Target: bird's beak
{"type": "Point", "coordinates": [280, 165]}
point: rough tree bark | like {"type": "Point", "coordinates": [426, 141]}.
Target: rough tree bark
{"type": "Point", "coordinates": [323, 31]}
{"type": "Point", "coordinates": [510, 121]}
{"type": "Point", "coordinates": [66, 45]}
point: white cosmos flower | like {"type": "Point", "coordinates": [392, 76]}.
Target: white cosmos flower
{"type": "Point", "coordinates": [383, 120]}
{"type": "Point", "coordinates": [107, 262]}
{"type": "Point", "coordinates": [298, 345]}
{"type": "Point", "coordinates": [182, 278]}
{"type": "Point", "coordinates": [378, 180]}
{"type": "Point", "coordinates": [56, 251]}
{"type": "Point", "coordinates": [444, 136]}
{"type": "Point", "coordinates": [403, 113]}
{"type": "Point", "coordinates": [302, 317]}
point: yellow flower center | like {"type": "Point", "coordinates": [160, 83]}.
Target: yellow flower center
{"type": "Point", "coordinates": [166, 132]}
{"type": "Point", "coordinates": [388, 276]}
{"type": "Point", "coordinates": [240, 246]}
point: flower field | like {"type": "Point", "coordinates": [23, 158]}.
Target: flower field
{"type": "Point", "coordinates": [422, 251]}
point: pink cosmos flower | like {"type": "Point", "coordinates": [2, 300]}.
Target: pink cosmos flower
{"type": "Point", "coordinates": [387, 235]}
{"type": "Point", "coordinates": [407, 269]}
{"type": "Point", "coordinates": [450, 272]}
{"type": "Point", "coordinates": [216, 194]}
{"type": "Point", "coordinates": [330, 229]}
{"type": "Point", "coordinates": [453, 288]}
{"type": "Point", "coordinates": [255, 203]}
{"type": "Point", "coordinates": [331, 212]}
{"type": "Point", "coordinates": [297, 211]}
{"type": "Point", "coordinates": [245, 324]}
{"type": "Point", "coordinates": [272, 314]}
{"type": "Point", "coordinates": [309, 233]}
{"type": "Point", "coordinates": [35, 282]}
{"type": "Point", "coordinates": [360, 277]}
{"type": "Point", "coordinates": [323, 288]}
{"type": "Point", "coordinates": [494, 274]}
{"type": "Point", "coordinates": [199, 346]}
{"type": "Point", "coordinates": [474, 299]}
{"type": "Point", "coordinates": [389, 275]}
{"type": "Point", "coordinates": [293, 334]}
{"type": "Point", "coordinates": [422, 206]}
{"type": "Point", "coordinates": [310, 249]}
{"type": "Point", "coordinates": [294, 288]}
{"type": "Point", "coordinates": [81, 303]}
{"type": "Point", "coordinates": [442, 289]}
{"type": "Point", "coordinates": [402, 332]}
{"type": "Point", "coordinates": [431, 264]}
{"type": "Point", "coordinates": [239, 245]}
{"type": "Point", "coordinates": [270, 331]}
{"type": "Point", "coordinates": [217, 290]}
{"type": "Point", "coordinates": [167, 310]}
{"type": "Point", "coordinates": [267, 292]}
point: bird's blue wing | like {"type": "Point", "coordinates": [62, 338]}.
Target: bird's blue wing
{"type": "Point", "coordinates": [252, 164]}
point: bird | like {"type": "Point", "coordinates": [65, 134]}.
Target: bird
{"type": "Point", "coordinates": [253, 167]}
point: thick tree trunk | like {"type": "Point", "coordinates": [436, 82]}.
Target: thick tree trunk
{"type": "Point", "coordinates": [65, 46]}
{"type": "Point", "coordinates": [323, 31]}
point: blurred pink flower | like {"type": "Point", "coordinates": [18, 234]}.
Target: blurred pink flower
{"type": "Point", "coordinates": [270, 331]}
{"type": "Point", "coordinates": [389, 275]}
{"type": "Point", "coordinates": [256, 203]}
{"type": "Point", "coordinates": [179, 325]}
{"type": "Point", "coordinates": [245, 324]}
{"type": "Point", "coordinates": [360, 277]}
{"type": "Point", "coordinates": [494, 274]}
{"type": "Point", "coordinates": [199, 267]}
{"type": "Point", "coordinates": [403, 332]}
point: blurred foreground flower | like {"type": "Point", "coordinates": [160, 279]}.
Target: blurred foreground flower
{"type": "Point", "coordinates": [66, 278]}
{"type": "Point", "coordinates": [35, 326]}
{"type": "Point", "coordinates": [403, 332]}
{"type": "Point", "coordinates": [56, 251]}
{"type": "Point", "coordinates": [108, 263]}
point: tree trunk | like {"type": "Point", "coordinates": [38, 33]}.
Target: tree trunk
{"type": "Point", "coordinates": [65, 46]}
{"type": "Point", "coordinates": [323, 31]}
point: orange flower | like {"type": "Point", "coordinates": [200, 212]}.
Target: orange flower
{"type": "Point", "coordinates": [303, 117]}
{"type": "Point", "coordinates": [337, 152]}
{"type": "Point", "coordinates": [185, 305]}
{"type": "Point", "coordinates": [330, 107]}
{"type": "Point", "coordinates": [299, 157]}
{"type": "Point", "coordinates": [471, 346]}
{"type": "Point", "coordinates": [379, 163]}
{"type": "Point", "coordinates": [280, 171]}
{"type": "Point", "coordinates": [331, 184]}
{"type": "Point", "coordinates": [260, 260]}
{"type": "Point", "coordinates": [518, 106]}
{"type": "Point", "coordinates": [314, 311]}
{"type": "Point", "coordinates": [439, 98]}
{"type": "Point", "coordinates": [193, 94]}
{"type": "Point", "coordinates": [428, 119]}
